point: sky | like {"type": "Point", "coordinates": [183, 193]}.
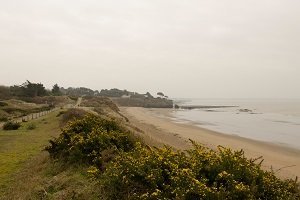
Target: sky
{"type": "Point", "coordinates": [194, 48]}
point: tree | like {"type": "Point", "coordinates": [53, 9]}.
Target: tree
{"type": "Point", "coordinates": [33, 89]}
{"type": "Point", "coordinates": [149, 95]}
{"type": "Point", "coordinates": [28, 89]}
{"type": "Point", "coordinates": [4, 92]}
{"type": "Point", "coordinates": [160, 94]}
{"type": "Point", "coordinates": [56, 90]}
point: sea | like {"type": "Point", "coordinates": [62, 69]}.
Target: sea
{"type": "Point", "coordinates": [275, 121]}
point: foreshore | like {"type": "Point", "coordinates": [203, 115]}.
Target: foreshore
{"type": "Point", "coordinates": [159, 129]}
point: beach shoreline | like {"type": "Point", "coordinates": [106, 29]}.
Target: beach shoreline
{"type": "Point", "coordinates": [158, 129]}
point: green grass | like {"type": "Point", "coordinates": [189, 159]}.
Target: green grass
{"type": "Point", "coordinates": [18, 146]}
{"type": "Point", "coordinates": [16, 108]}
{"type": "Point", "coordinates": [41, 178]}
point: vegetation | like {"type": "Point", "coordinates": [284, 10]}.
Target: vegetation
{"type": "Point", "coordinates": [149, 95]}
{"type": "Point", "coordinates": [100, 102]}
{"type": "Point", "coordinates": [160, 94]}
{"type": "Point", "coordinates": [89, 140]}
{"type": "Point", "coordinates": [31, 126]}
{"type": "Point", "coordinates": [74, 98]}
{"type": "Point", "coordinates": [51, 101]}
{"type": "Point", "coordinates": [71, 114]}
{"type": "Point", "coordinates": [56, 90]}
{"type": "Point", "coordinates": [26, 172]}
{"type": "Point", "coordinates": [2, 104]}
{"type": "Point", "coordinates": [4, 92]}
{"type": "Point", "coordinates": [114, 93]}
{"type": "Point", "coordinates": [40, 178]}
{"type": "Point", "coordinates": [145, 102]}
{"type": "Point", "coordinates": [3, 116]}
{"type": "Point", "coordinates": [10, 125]}
{"type": "Point", "coordinates": [16, 108]}
{"type": "Point", "coordinates": [127, 169]}
{"type": "Point", "coordinates": [127, 98]}
{"type": "Point", "coordinates": [97, 157]}
{"type": "Point", "coordinates": [36, 93]}
{"type": "Point", "coordinates": [28, 89]}
{"type": "Point", "coordinates": [81, 91]}
{"type": "Point", "coordinates": [162, 173]}
{"type": "Point", "coordinates": [17, 146]}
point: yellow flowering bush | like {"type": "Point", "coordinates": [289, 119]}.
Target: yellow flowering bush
{"type": "Point", "coordinates": [88, 140]}
{"type": "Point", "coordinates": [200, 173]}
{"type": "Point", "coordinates": [127, 169]}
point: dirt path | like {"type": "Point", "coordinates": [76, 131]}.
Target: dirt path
{"type": "Point", "coordinates": [79, 100]}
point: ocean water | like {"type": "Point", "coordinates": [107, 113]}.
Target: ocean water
{"type": "Point", "coordinates": [270, 120]}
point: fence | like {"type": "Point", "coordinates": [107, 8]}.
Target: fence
{"type": "Point", "coordinates": [32, 116]}
{"type": "Point", "coordinates": [35, 115]}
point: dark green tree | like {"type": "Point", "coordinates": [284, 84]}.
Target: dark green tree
{"type": "Point", "coordinates": [4, 92]}
{"type": "Point", "coordinates": [160, 94]}
{"type": "Point", "coordinates": [34, 89]}
{"type": "Point", "coordinates": [28, 89]}
{"type": "Point", "coordinates": [56, 90]}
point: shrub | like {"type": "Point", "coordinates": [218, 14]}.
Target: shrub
{"type": "Point", "coordinates": [10, 125]}
{"type": "Point", "coordinates": [72, 114]}
{"type": "Point", "coordinates": [127, 169]}
{"type": "Point", "coordinates": [2, 104]}
{"type": "Point", "coordinates": [3, 119]}
{"type": "Point", "coordinates": [87, 140]}
{"type": "Point", "coordinates": [60, 113]}
{"type": "Point", "coordinates": [201, 173]}
{"type": "Point", "coordinates": [31, 126]}
{"type": "Point", "coordinates": [99, 110]}
{"type": "Point", "coordinates": [12, 110]}
{"type": "Point", "coordinates": [73, 98]}
{"type": "Point", "coordinates": [91, 101]}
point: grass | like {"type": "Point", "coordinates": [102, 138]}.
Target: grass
{"type": "Point", "coordinates": [16, 108]}
{"type": "Point", "coordinates": [18, 146]}
{"type": "Point", "coordinates": [41, 178]}
{"type": "Point", "coordinates": [27, 172]}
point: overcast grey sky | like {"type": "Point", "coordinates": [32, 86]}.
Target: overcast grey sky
{"type": "Point", "coordinates": [192, 48]}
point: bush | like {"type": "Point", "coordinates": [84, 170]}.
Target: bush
{"type": "Point", "coordinates": [91, 101]}
{"type": "Point", "coordinates": [11, 125]}
{"type": "Point", "coordinates": [73, 98]}
{"type": "Point", "coordinates": [201, 173]}
{"type": "Point", "coordinates": [4, 116]}
{"type": "Point", "coordinates": [72, 114]}
{"type": "Point", "coordinates": [3, 119]}
{"type": "Point", "coordinates": [87, 140]}
{"type": "Point", "coordinates": [60, 113]}
{"type": "Point", "coordinates": [2, 104]}
{"type": "Point", "coordinates": [31, 126]}
{"type": "Point", "coordinates": [126, 169]}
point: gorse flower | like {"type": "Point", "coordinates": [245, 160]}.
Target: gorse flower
{"type": "Point", "coordinates": [127, 169]}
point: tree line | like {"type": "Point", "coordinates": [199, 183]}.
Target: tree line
{"type": "Point", "coordinates": [31, 90]}
{"type": "Point", "coordinates": [28, 89]}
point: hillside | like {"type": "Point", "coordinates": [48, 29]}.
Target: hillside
{"type": "Point", "coordinates": [15, 108]}
{"type": "Point", "coordinates": [98, 155]}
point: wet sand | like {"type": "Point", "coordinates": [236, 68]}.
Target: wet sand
{"type": "Point", "coordinates": [158, 129]}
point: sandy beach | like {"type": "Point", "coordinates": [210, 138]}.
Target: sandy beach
{"type": "Point", "coordinates": [158, 129]}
